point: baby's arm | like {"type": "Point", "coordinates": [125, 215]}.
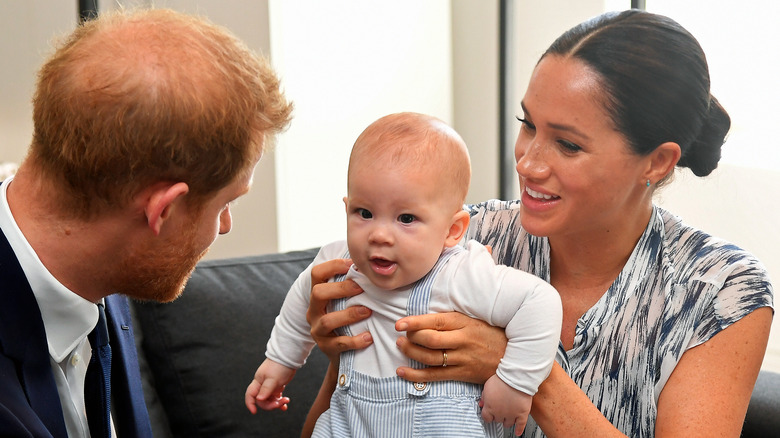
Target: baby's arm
{"type": "Point", "coordinates": [530, 311]}
{"type": "Point", "coordinates": [290, 341]}
{"type": "Point", "coordinates": [527, 307]}
{"type": "Point", "coordinates": [503, 404]}
{"type": "Point", "coordinates": [266, 388]}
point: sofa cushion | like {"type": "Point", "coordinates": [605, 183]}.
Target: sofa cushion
{"type": "Point", "coordinates": [763, 414]}
{"type": "Point", "coordinates": [203, 349]}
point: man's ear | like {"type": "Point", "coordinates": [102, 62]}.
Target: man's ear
{"type": "Point", "coordinates": [460, 223]}
{"type": "Point", "coordinates": [662, 161]}
{"type": "Point", "coordinates": [160, 203]}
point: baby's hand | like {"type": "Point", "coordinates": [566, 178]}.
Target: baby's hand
{"type": "Point", "coordinates": [266, 389]}
{"type": "Point", "coordinates": [503, 404]}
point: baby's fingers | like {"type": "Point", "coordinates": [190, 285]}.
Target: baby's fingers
{"type": "Point", "coordinates": [250, 396]}
{"type": "Point", "coordinates": [275, 401]}
{"type": "Point", "coordinates": [520, 425]}
{"type": "Point", "coordinates": [487, 415]}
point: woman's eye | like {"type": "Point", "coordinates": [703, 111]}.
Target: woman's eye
{"type": "Point", "coordinates": [569, 146]}
{"type": "Point", "coordinates": [526, 123]}
{"type": "Point", "coordinates": [365, 214]}
{"type": "Point", "coordinates": [406, 218]}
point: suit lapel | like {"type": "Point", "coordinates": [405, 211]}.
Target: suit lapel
{"type": "Point", "coordinates": [19, 313]}
{"type": "Point", "coordinates": [131, 417]}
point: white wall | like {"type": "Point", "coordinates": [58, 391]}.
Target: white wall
{"type": "Point", "coordinates": [475, 88]}
{"type": "Point", "coordinates": [345, 64]}
{"type": "Point", "coordinates": [25, 31]}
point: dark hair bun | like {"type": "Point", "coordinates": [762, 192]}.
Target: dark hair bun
{"type": "Point", "coordinates": [703, 154]}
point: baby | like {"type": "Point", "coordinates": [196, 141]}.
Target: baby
{"type": "Point", "coordinates": [407, 181]}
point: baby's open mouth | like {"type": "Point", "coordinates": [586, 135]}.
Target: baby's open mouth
{"type": "Point", "coordinates": [382, 266]}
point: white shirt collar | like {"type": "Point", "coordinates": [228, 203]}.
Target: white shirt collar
{"type": "Point", "coordinates": [67, 317]}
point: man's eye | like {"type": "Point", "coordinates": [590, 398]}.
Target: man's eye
{"type": "Point", "coordinates": [365, 214]}
{"type": "Point", "coordinates": [406, 218]}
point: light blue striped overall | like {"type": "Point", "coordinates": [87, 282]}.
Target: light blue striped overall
{"type": "Point", "coordinates": [367, 406]}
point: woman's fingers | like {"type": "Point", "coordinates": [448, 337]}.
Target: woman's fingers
{"type": "Point", "coordinates": [427, 356]}
{"type": "Point", "coordinates": [432, 374]}
{"type": "Point", "coordinates": [332, 346]}
{"type": "Point", "coordinates": [322, 330]}
{"type": "Point", "coordinates": [326, 323]}
{"type": "Point", "coordinates": [324, 271]}
{"type": "Point", "coordinates": [323, 323]}
{"type": "Point", "coordinates": [322, 291]}
{"type": "Point", "coordinates": [435, 361]}
{"type": "Point", "coordinates": [433, 321]}
{"type": "Point", "coordinates": [473, 347]}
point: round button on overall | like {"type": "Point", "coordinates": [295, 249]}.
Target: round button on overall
{"type": "Point", "coordinates": [342, 379]}
{"type": "Point", "coordinates": [420, 386]}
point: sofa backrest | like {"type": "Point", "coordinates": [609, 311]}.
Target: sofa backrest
{"type": "Point", "coordinates": [202, 350]}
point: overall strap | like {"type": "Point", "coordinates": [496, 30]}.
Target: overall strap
{"type": "Point", "coordinates": [419, 304]}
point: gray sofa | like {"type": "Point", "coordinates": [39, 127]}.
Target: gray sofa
{"type": "Point", "coordinates": [199, 353]}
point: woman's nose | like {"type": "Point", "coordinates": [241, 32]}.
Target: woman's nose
{"type": "Point", "coordinates": [531, 158]}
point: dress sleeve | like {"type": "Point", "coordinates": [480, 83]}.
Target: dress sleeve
{"type": "Point", "coordinates": [745, 287]}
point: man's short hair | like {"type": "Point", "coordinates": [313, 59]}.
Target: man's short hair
{"type": "Point", "coordinates": [133, 98]}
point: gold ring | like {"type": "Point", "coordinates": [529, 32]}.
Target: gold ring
{"type": "Point", "coordinates": [444, 358]}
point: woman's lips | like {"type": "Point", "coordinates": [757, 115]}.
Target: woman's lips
{"type": "Point", "coordinates": [534, 200]}
{"type": "Point", "coordinates": [539, 195]}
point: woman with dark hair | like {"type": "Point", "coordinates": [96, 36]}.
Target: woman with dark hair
{"type": "Point", "coordinates": [664, 326]}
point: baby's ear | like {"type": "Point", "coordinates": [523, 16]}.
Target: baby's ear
{"type": "Point", "coordinates": [460, 223]}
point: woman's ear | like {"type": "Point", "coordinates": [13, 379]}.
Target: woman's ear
{"type": "Point", "coordinates": [460, 223]}
{"type": "Point", "coordinates": [662, 161]}
{"type": "Point", "coordinates": [159, 203]}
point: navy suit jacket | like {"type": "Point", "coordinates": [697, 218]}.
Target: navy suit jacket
{"type": "Point", "coordinates": [29, 402]}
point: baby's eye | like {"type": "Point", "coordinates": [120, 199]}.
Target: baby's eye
{"type": "Point", "coordinates": [365, 214]}
{"type": "Point", "coordinates": [406, 218]}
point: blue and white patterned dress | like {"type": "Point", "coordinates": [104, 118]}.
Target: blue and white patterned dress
{"type": "Point", "coordinates": [679, 288]}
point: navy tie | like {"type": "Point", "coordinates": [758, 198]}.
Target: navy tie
{"type": "Point", "coordinates": [97, 386]}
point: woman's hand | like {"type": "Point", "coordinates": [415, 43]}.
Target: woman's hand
{"type": "Point", "coordinates": [474, 348]}
{"type": "Point", "coordinates": [323, 323]}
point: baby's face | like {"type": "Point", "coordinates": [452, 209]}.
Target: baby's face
{"type": "Point", "coordinates": [397, 223]}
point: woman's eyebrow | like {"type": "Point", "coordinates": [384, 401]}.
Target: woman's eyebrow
{"type": "Point", "coordinates": [558, 126]}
